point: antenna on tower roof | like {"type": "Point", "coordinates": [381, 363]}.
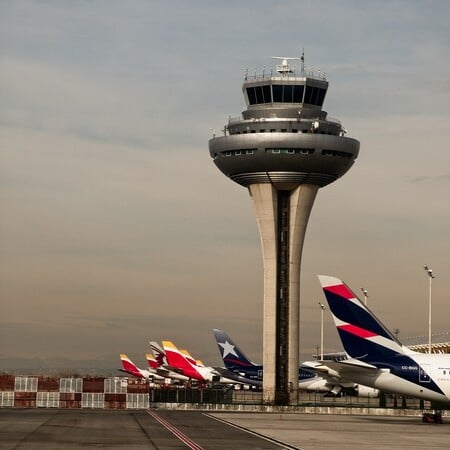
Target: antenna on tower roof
{"type": "Point", "coordinates": [302, 64]}
{"type": "Point", "coordinates": [284, 68]}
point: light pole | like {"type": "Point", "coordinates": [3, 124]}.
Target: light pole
{"type": "Point", "coordinates": [366, 294]}
{"type": "Point", "coordinates": [431, 276]}
{"type": "Point", "coordinates": [322, 308]}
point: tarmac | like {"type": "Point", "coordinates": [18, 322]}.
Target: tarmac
{"type": "Point", "coordinates": [169, 430]}
{"type": "Point", "coordinates": [339, 432]}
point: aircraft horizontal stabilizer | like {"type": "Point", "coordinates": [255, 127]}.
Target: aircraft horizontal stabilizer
{"type": "Point", "coordinates": [236, 377]}
{"type": "Point", "coordinates": [357, 363]}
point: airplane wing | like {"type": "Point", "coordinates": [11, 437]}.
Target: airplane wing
{"type": "Point", "coordinates": [167, 370]}
{"type": "Point", "coordinates": [236, 377]}
{"type": "Point", "coordinates": [342, 372]}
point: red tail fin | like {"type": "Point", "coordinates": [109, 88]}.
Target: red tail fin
{"type": "Point", "coordinates": [152, 363]}
{"type": "Point", "coordinates": [129, 366]}
{"type": "Point", "coordinates": [178, 360]}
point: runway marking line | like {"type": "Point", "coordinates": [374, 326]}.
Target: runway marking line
{"type": "Point", "coordinates": [255, 433]}
{"type": "Point", "coordinates": [176, 432]}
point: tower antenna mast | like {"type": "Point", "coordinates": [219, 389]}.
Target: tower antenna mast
{"type": "Point", "coordinates": [302, 64]}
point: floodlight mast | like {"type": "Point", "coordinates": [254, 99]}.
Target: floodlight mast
{"type": "Point", "coordinates": [430, 276]}
{"type": "Point", "coordinates": [366, 295]}
{"type": "Point", "coordinates": [322, 309]}
{"type": "Point", "coordinates": [283, 149]}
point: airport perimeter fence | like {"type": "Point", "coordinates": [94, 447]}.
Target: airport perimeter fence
{"type": "Point", "coordinates": [232, 396]}
{"type": "Point", "coordinates": [132, 393]}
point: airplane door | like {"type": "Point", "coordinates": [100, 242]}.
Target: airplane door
{"type": "Point", "coordinates": [424, 370]}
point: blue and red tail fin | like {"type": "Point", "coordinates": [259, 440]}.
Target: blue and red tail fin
{"type": "Point", "coordinates": [366, 339]}
{"type": "Point", "coordinates": [231, 354]}
{"type": "Point", "coordinates": [363, 336]}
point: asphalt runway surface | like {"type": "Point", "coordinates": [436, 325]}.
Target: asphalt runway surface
{"type": "Point", "coordinates": [164, 429]}
{"type": "Point", "coordinates": [345, 432]}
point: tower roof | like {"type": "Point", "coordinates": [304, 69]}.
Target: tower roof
{"type": "Point", "coordinates": [285, 84]}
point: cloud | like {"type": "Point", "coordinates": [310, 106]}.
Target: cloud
{"type": "Point", "coordinates": [429, 179]}
{"type": "Point", "coordinates": [118, 227]}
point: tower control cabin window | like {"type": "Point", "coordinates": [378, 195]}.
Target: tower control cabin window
{"type": "Point", "coordinates": [259, 94]}
{"type": "Point", "coordinates": [314, 95]}
{"type": "Point", "coordinates": [288, 93]}
{"type": "Point", "coordinates": [285, 93]}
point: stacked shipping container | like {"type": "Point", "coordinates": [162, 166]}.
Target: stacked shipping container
{"type": "Point", "coordinates": [51, 392]}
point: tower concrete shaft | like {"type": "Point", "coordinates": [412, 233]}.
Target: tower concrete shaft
{"type": "Point", "coordinates": [283, 149]}
{"type": "Point", "coordinates": [282, 218]}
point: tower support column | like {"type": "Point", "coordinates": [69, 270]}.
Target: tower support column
{"type": "Point", "coordinates": [282, 217]}
{"type": "Point", "coordinates": [301, 202]}
{"type": "Point", "coordinates": [264, 197]}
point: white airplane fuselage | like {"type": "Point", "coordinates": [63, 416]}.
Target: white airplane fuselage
{"type": "Point", "coordinates": [432, 371]}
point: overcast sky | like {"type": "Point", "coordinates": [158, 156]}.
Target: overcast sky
{"type": "Point", "coordinates": [116, 227]}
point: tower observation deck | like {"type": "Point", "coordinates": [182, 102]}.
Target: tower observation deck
{"type": "Point", "coordinates": [283, 148]}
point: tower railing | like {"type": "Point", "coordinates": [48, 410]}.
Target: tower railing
{"type": "Point", "coordinates": [272, 74]}
{"type": "Point", "coordinates": [236, 119]}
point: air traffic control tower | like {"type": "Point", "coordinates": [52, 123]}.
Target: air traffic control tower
{"type": "Point", "coordinates": [283, 149]}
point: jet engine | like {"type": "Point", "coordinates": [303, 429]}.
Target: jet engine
{"type": "Point", "coordinates": [366, 391]}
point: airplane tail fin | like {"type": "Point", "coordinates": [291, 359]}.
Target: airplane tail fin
{"type": "Point", "coordinates": [232, 356]}
{"type": "Point", "coordinates": [188, 357]}
{"type": "Point", "coordinates": [160, 354]}
{"type": "Point", "coordinates": [151, 361]}
{"type": "Point", "coordinates": [129, 367]}
{"type": "Point", "coordinates": [179, 361]}
{"type": "Point", "coordinates": [363, 336]}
